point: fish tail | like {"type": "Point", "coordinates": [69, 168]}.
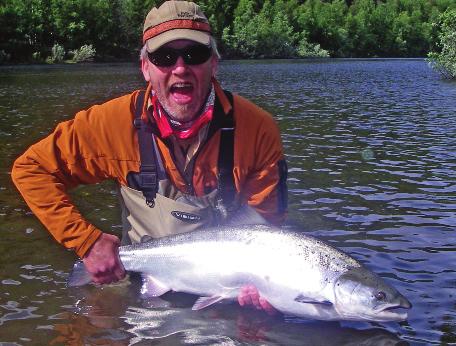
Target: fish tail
{"type": "Point", "coordinates": [79, 276]}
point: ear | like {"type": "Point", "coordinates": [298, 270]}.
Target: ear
{"type": "Point", "coordinates": [145, 69]}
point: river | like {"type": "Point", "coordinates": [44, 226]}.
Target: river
{"type": "Point", "coordinates": [371, 149]}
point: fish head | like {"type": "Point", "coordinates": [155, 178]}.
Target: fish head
{"type": "Point", "coordinates": [363, 295]}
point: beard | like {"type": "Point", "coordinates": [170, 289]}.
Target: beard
{"type": "Point", "coordinates": [179, 112]}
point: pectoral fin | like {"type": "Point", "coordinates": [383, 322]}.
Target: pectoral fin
{"type": "Point", "coordinates": [152, 287]}
{"type": "Point", "coordinates": [310, 300]}
{"type": "Point", "coordinates": [203, 302]}
{"type": "Point", "coordinates": [79, 276]}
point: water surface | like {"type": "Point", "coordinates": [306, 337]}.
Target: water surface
{"type": "Point", "coordinates": [371, 148]}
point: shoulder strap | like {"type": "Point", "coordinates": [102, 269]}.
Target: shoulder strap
{"type": "Point", "coordinates": [226, 156]}
{"type": "Point", "coordinates": [148, 182]}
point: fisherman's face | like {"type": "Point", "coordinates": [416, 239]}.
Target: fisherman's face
{"type": "Point", "coordinates": [181, 88]}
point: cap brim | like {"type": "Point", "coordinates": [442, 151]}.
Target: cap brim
{"type": "Point", "coordinates": [177, 34]}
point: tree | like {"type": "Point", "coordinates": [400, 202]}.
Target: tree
{"type": "Point", "coordinates": [220, 14]}
{"type": "Point", "coordinates": [266, 34]}
{"type": "Point", "coordinates": [239, 39]}
{"type": "Point", "coordinates": [131, 20]}
{"type": "Point", "coordinates": [363, 40]}
{"type": "Point", "coordinates": [323, 23]}
{"type": "Point", "coordinates": [276, 36]}
{"type": "Point", "coordinates": [25, 28]}
{"type": "Point", "coordinates": [247, 28]}
{"type": "Point", "coordinates": [445, 60]}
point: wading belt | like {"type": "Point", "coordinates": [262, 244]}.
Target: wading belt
{"type": "Point", "coordinates": [148, 181]}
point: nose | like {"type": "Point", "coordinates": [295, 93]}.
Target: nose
{"type": "Point", "coordinates": [180, 66]}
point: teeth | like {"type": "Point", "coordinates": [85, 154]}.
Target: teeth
{"type": "Point", "coordinates": [182, 85]}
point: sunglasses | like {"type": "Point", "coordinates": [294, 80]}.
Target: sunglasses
{"type": "Point", "coordinates": [193, 55]}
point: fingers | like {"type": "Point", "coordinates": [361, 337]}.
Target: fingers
{"type": "Point", "coordinates": [102, 260]}
{"type": "Point", "coordinates": [249, 295]}
{"type": "Point", "coordinates": [241, 296]}
{"type": "Point", "coordinates": [119, 271]}
{"type": "Point", "coordinates": [267, 307]}
{"type": "Point", "coordinates": [245, 295]}
{"type": "Point", "coordinates": [113, 239]}
{"type": "Point", "coordinates": [109, 273]}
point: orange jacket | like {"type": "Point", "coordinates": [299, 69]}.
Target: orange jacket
{"type": "Point", "coordinates": [101, 143]}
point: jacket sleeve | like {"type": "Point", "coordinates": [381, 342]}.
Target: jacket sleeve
{"type": "Point", "coordinates": [75, 153]}
{"type": "Point", "coordinates": [261, 162]}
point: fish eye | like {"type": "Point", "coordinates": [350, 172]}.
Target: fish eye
{"type": "Point", "coordinates": [380, 295]}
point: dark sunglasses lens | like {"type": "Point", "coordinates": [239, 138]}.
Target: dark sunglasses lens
{"type": "Point", "coordinates": [164, 57]}
{"type": "Point", "coordinates": [197, 54]}
{"type": "Point", "coordinates": [193, 55]}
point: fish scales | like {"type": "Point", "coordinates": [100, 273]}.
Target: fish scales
{"type": "Point", "coordinates": [315, 250]}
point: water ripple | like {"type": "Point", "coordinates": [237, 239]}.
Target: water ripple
{"type": "Point", "coordinates": [371, 150]}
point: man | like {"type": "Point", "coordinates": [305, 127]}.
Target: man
{"type": "Point", "coordinates": [185, 153]}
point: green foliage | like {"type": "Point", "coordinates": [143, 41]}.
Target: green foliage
{"type": "Point", "coordinates": [325, 24]}
{"type": "Point", "coordinates": [275, 35]}
{"type": "Point", "coordinates": [83, 54]}
{"type": "Point", "coordinates": [243, 39]}
{"type": "Point", "coordinates": [445, 60]}
{"type": "Point", "coordinates": [244, 28]}
{"type": "Point", "coordinates": [4, 57]}
{"type": "Point", "coordinates": [266, 34]}
{"type": "Point", "coordinates": [36, 56]}
{"type": "Point", "coordinates": [311, 50]}
{"type": "Point", "coordinates": [219, 12]}
{"type": "Point", "coordinates": [131, 17]}
{"type": "Point", "coordinates": [57, 54]}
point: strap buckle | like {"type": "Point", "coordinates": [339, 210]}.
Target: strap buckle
{"type": "Point", "coordinates": [137, 123]}
{"type": "Point", "coordinates": [148, 180]}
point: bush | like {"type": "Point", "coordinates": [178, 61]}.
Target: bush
{"type": "Point", "coordinates": [57, 54]}
{"type": "Point", "coordinates": [85, 53]}
{"type": "Point", "coordinates": [311, 50]}
{"type": "Point", "coordinates": [4, 57]}
{"type": "Point", "coordinates": [445, 61]}
{"type": "Point", "coordinates": [36, 57]}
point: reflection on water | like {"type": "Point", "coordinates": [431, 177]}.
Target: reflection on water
{"type": "Point", "coordinates": [372, 170]}
{"type": "Point", "coordinates": [172, 321]}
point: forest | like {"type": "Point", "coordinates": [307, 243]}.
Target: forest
{"type": "Point", "coordinates": [110, 30]}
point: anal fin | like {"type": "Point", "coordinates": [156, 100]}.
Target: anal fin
{"type": "Point", "coordinates": [203, 302]}
{"type": "Point", "coordinates": [152, 287]}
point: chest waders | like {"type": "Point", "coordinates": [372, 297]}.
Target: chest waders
{"type": "Point", "coordinates": [147, 212]}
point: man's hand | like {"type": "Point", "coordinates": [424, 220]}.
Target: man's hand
{"type": "Point", "coordinates": [249, 295]}
{"type": "Point", "coordinates": [102, 260]}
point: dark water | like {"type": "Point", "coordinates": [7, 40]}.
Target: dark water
{"type": "Point", "coordinates": [371, 147]}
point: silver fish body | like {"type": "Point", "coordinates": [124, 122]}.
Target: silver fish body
{"type": "Point", "coordinates": [298, 274]}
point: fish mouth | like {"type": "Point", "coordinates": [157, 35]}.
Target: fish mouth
{"type": "Point", "coordinates": [389, 313]}
{"type": "Point", "coordinates": [394, 312]}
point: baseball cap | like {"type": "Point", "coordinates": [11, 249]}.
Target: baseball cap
{"type": "Point", "coordinates": [175, 20]}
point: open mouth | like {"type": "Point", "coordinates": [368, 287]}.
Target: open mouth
{"type": "Point", "coordinates": [182, 92]}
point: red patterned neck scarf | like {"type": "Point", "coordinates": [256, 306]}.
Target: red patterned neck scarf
{"type": "Point", "coordinates": [168, 126]}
